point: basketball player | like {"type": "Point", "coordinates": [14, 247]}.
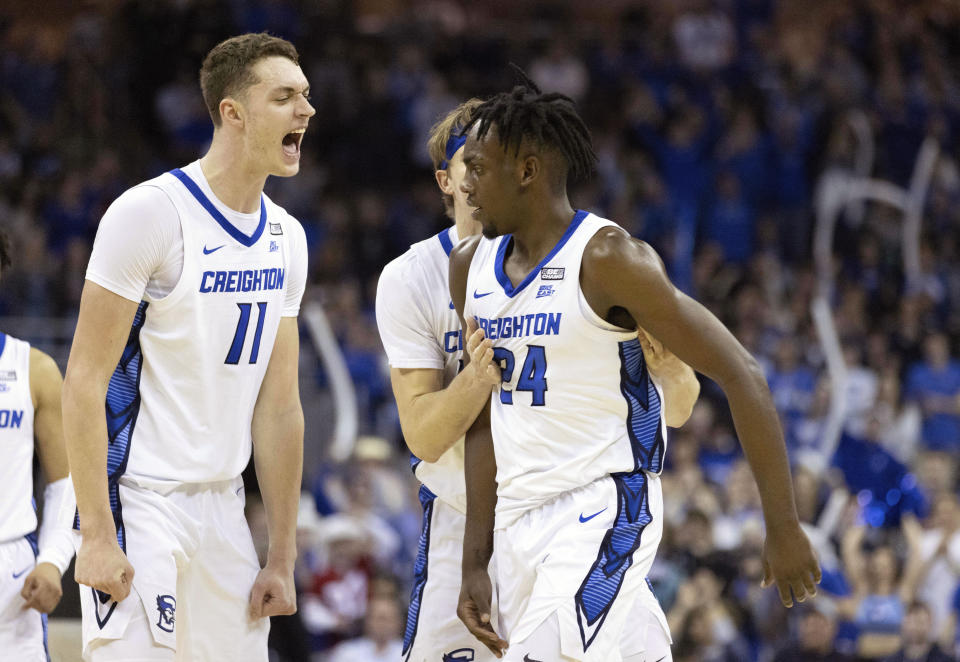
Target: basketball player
{"type": "Point", "coordinates": [188, 334]}
{"type": "Point", "coordinates": [436, 403]}
{"type": "Point", "coordinates": [571, 507]}
{"type": "Point", "coordinates": [30, 410]}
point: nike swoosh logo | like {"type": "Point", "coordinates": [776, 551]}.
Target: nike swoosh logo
{"type": "Point", "coordinates": [527, 658]}
{"type": "Point", "coordinates": [18, 575]}
{"type": "Point", "coordinates": [477, 295]}
{"type": "Point", "coordinates": [207, 251]}
{"type": "Point", "coordinates": [587, 519]}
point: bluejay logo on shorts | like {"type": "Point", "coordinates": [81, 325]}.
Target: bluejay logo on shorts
{"type": "Point", "coordinates": [459, 655]}
{"type": "Point", "coordinates": [167, 606]}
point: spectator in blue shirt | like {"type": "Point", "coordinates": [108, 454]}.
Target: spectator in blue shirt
{"type": "Point", "coordinates": [934, 384]}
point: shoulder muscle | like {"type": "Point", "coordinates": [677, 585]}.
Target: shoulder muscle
{"type": "Point", "coordinates": [45, 377]}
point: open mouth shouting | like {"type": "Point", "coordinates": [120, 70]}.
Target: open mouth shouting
{"type": "Point", "coordinates": [291, 144]}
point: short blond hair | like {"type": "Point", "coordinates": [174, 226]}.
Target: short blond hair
{"type": "Point", "coordinates": [452, 123]}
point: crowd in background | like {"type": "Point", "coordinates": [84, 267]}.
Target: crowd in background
{"type": "Point", "coordinates": [715, 123]}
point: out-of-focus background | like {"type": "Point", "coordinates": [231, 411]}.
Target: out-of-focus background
{"type": "Point", "coordinates": [794, 162]}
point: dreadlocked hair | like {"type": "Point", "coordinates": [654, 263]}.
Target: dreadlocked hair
{"type": "Point", "coordinates": [549, 120]}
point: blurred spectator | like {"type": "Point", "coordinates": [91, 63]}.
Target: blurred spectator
{"type": "Point", "coordinates": [935, 385]}
{"type": "Point", "coordinates": [792, 385]}
{"type": "Point", "coordinates": [918, 639]}
{"type": "Point", "coordinates": [381, 640]}
{"type": "Point", "coordinates": [559, 70]}
{"type": "Point", "coordinates": [704, 36]}
{"type": "Point", "coordinates": [880, 592]}
{"type": "Point", "coordinates": [815, 637]}
{"type": "Point", "coordinates": [895, 422]}
{"type": "Point", "coordinates": [731, 222]}
{"type": "Point", "coordinates": [702, 624]}
{"type": "Point", "coordinates": [334, 603]}
{"type": "Point", "coordinates": [939, 545]}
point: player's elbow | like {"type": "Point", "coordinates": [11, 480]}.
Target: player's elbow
{"type": "Point", "coordinates": [750, 372]}
{"type": "Point", "coordinates": [426, 455]}
{"type": "Point", "coordinates": [421, 444]}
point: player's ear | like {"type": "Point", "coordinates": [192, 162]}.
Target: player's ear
{"type": "Point", "coordinates": [231, 111]}
{"type": "Point", "coordinates": [529, 169]}
{"type": "Point", "coordinates": [443, 181]}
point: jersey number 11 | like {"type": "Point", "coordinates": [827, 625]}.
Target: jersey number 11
{"type": "Point", "coordinates": [236, 347]}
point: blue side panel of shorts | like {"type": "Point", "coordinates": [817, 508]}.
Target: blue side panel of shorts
{"type": "Point", "coordinates": [603, 582]}
{"type": "Point", "coordinates": [643, 408]}
{"type": "Point", "coordinates": [427, 500]}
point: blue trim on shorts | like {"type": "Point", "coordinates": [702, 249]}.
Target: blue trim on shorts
{"type": "Point", "coordinates": [46, 646]}
{"type": "Point", "coordinates": [602, 584]}
{"type": "Point", "coordinates": [427, 500]}
{"type": "Point", "coordinates": [33, 538]}
{"type": "Point", "coordinates": [643, 408]}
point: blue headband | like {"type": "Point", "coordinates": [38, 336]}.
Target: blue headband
{"type": "Point", "coordinates": [454, 142]}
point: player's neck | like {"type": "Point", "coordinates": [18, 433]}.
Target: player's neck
{"type": "Point", "coordinates": [231, 180]}
{"type": "Point", "coordinates": [541, 230]}
{"type": "Point", "coordinates": [465, 225]}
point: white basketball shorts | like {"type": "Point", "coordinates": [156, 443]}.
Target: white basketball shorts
{"type": "Point", "coordinates": [433, 632]}
{"type": "Point", "coordinates": [21, 630]}
{"type": "Point", "coordinates": [194, 566]}
{"type": "Point", "coordinates": [583, 557]}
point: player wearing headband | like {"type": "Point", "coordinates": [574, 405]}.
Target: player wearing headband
{"type": "Point", "coordinates": [437, 402]}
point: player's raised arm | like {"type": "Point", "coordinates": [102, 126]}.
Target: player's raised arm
{"type": "Point", "coordinates": [102, 330]}
{"type": "Point", "coordinates": [480, 469]}
{"type": "Point", "coordinates": [41, 588]}
{"type": "Point", "coordinates": [622, 272]}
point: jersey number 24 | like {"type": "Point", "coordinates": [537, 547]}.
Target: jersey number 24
{"type": "Point", "coordinates": [532, 374]}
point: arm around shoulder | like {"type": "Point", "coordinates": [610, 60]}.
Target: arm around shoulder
{"type": "Point", "coordinates": [460, 258]}
{"type": "Point", "coordinates": [433, 416]}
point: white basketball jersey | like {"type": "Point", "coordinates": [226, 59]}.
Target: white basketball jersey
{"type": "Point", "coordinates": [420, 329]}
{"type": "Point", "coordinates": [17, 515]}
{"type": "Point", "coordinates": [576, 402]}
{"type": "Point", "coordinates": [180, 403]}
